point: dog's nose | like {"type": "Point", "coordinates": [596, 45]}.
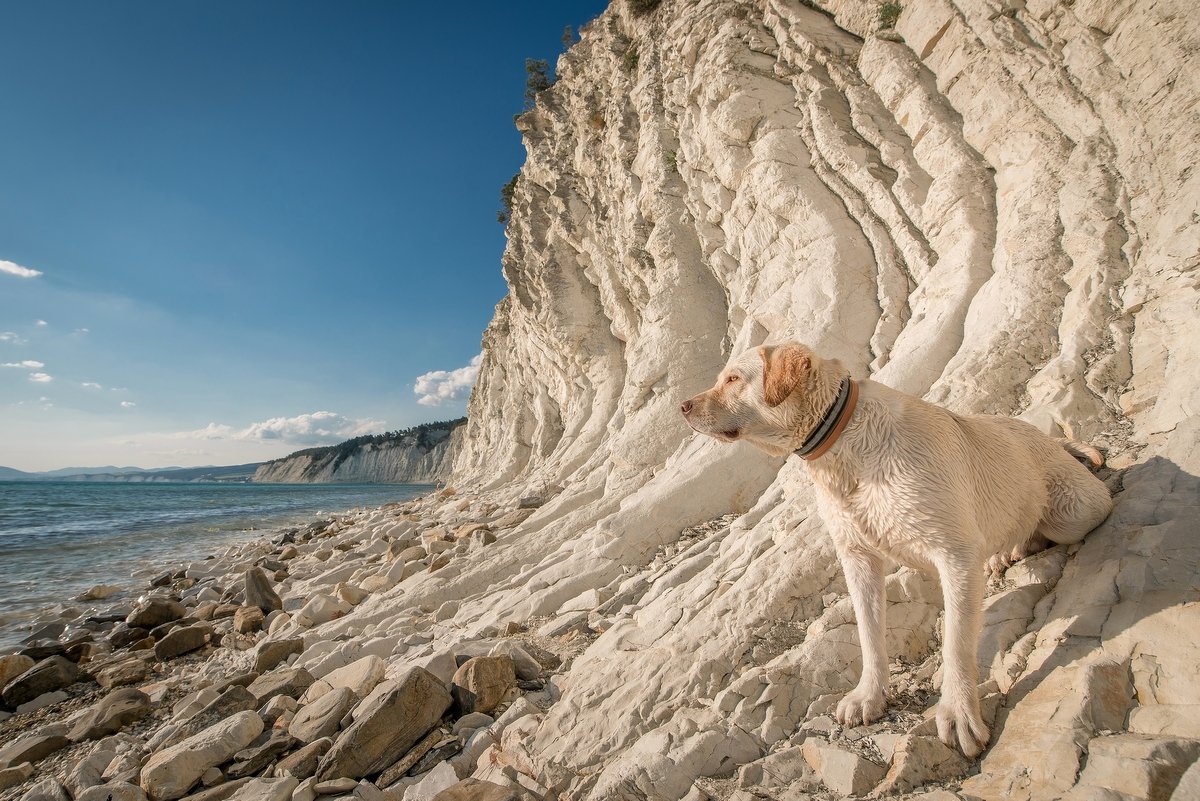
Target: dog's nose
{"type": "Point", "coordinates": [686, 407]}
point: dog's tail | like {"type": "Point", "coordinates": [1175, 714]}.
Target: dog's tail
{"type": "Point", "coordinates": [1083, 452]}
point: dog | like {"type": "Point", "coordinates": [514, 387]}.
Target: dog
{"type": "Point", "coordinates": [898, 478]}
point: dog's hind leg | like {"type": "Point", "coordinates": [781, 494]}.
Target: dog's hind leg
{"type": "Point", "coordinates": [1078, 502]}
{"type": "Point", "coordinates": [958, 715]}
{"type": "Point", "coordinates": [864, 578]}
{"type": "Point", "coordinates": [1006, 559]}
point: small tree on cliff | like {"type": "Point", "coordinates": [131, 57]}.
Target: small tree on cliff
{"type": "Point", "coordinates": [504, 213]}
{"type": "Point", "coordinates": [537, 79]}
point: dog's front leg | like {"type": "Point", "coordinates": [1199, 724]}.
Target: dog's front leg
{"type": "Point", "coordinates": [958, 714]}
{"type": "Point", "coordinates": [864, 578]}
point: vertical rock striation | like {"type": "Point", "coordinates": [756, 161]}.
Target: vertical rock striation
{"type": "Point", "coordinates": [992, 205]}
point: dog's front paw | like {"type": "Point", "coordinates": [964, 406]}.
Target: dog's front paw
{"type": "Point", "coordinates": [960, 722]}
{"type": "Point", "coordinates": [860, 706]}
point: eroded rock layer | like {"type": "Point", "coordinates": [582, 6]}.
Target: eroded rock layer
{"type": "Point", "coordinates": [992, 206]}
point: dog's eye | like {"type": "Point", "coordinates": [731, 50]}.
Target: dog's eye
{"type": "Point", "coordinates": [731, 379]}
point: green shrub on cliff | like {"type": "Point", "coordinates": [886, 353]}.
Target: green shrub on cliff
{"type": "Point", "coordinates": [504, 213]}
{"type": "Point", "coordinates": [888, 14]}
{"type": "Point", "coordinates": [643, 6]}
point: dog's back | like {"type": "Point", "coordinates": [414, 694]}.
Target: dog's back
{"type": "Point", "coordinates": [999, 476]}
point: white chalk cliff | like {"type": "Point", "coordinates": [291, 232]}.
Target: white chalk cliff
{"type": "Point", "coordinates": [993, 206]}
{"type": "Point", "coordinates": [418, 457]}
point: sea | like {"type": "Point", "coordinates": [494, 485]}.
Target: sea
{"type": "Point", "coordinates": [59, 538]}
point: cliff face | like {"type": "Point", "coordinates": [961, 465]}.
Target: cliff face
{"type": "Point", "coordinates": [423, 458]}
{"type": "Point", "coordinates": [992, 206]}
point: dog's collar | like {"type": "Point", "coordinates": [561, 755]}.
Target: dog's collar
{"type": "Point", "coordinates": [832, 424]}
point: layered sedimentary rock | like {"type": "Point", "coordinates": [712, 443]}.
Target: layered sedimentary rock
{"type": "Point", "coordinates": [992, 206]}
{"type": "Point", "coordinates": [418, 457]}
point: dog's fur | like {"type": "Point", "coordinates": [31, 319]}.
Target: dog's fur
{"type": "Point", "coordinates": [918, 484]}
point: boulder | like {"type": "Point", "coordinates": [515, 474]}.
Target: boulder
{"type": "Point", "coordinates": [258, 591]}
{"type": "Point", "coordinates": [42, 701]}
{"type": "Point", "coordinates": [302, 763]}
{"type": "Point", "coordinates": [526, 666]}
{"type": "Point", "coordinates": [272, 652]}
{"type": "Point", "coordinates": [248, 619]}
{"type": "Point", "coordinates": [127, 670]}
{"type": "Point", "coordinates": [360, 676]}
{"type": "Point", "coordinates": [477, 790]}
{"type": "Point", "coordinates": [432, 783]}
{"type": "Point", "coordinates": [278, 707]}
{"type": "Point", "coordinates": [31, 748]}
{"type": "Point", "coordinates": [153, 612]}
{"type": "Point", "coordinates": [13, 665]}
{"type": "Point", "coordinates": [127, 636]}
{"type": "Point", "coordinates": [170, 773]}
{"type": "Point", "coordinates": [99, 592]}
{"type": "Point", "coordinates": [48, 789]}
{"type": "Point", "coordinates": [260, 753]}
{"type": "Point", "coordinates": [322, 609]}
{"type": "Point", "coordinates": [842, 771]}
{"type": "Point", "coordinates": [114, 712]}
{"type": "Point", "coordinates": [322, 717]}
{"type": "Point", "coordinates": [475, 720]}
{"type": "Point", "coordinates": [11, 777]}
{"type": "Point", "coordinates": [352, 594]}
{"type": "Point", "coordinates": [392, 724]}
{"type": "Point", "coordinates": [113, 791]}
{"type": "Point", "coordinates": [481, 683]}
{"type": "Point", "coordinates": [412, 757]}
{"type": "Point", "coordinates": [920, 758]}
{"type": "Point", "coordinates": [220, 792]}
{"type": "Point", "coordinates": [265, 790]}
{"type": "Point", "coordinates": [181, 641]}
{"type": "Point", "coordinates": [52, 673]}
{"type": "Point", "coordinates": [335, 786]}
{"type": "Point", "coordinates": [1135, 766]}
{"type": "Point", "coordinates": [283, 681]}
{"type": "Point", "coordinates": [87, 772]}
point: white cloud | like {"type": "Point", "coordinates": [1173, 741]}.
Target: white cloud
{"type": "Point", "coordinates": [42, 323]}
{"type": "Point", "coordinates": [91, 385]}
{"type": "Point", "coordinates": [317, 428]}
{"type": "Point", "coordinates": [308, 429]}
{"type": "Point", "coordinates": [439, 386]}
{"type": "Point", "coordinates": [12, 268]}
{"type": "Point", "coordinates": [28, 364]}
{"type": "Point", "coordinates": [40, 378]}
{"type": "Point", "coordinates": [210, 431]}
{"type": "Point", "coordinates": [10, 336]}
{"type": "Point", "coordinates": [82, 331]}
{"type": "Point", "coordinates": [127, 404]}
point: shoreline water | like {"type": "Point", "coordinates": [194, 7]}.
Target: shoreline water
{"type": "Point", "coordinates": [59, 539]}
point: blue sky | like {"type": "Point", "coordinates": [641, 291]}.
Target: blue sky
{"type": "Point", "coordinates": [255, 225]}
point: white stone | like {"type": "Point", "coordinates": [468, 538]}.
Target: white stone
{"type": "Point", "coordinates": [171, 772]}
{"type": "Point", "coordinates": [266, 790]}
{"type": "Point", "coordinates": [432, 783]}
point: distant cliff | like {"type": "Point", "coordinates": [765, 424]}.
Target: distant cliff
{"type": "Point", "coordinates": [423, 454]}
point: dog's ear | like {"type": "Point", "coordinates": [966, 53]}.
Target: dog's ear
{"type": "Point", "coordinates": [784, 367]}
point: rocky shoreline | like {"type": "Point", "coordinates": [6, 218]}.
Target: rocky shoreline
{"type": "Point", "coordinates": [225, 679]}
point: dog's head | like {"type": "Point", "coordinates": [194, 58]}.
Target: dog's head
{"type": "Point", "coordinates": [759, 397]}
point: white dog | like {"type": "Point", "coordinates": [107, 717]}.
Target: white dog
{"type": "Point", "coordinates": [900, 478]}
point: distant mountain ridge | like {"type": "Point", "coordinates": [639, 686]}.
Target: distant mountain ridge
{"type": "Point", "coordinates": [139, 475]}
{"type": "Point", "coordinates": [421, 454]}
